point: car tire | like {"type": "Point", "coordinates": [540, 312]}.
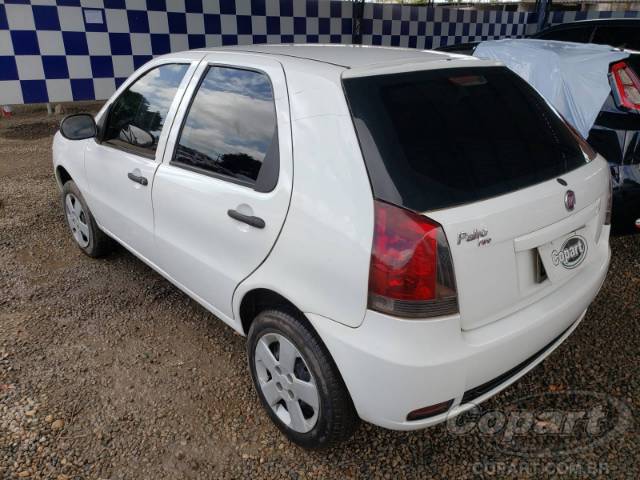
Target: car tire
{"type": "Point", "coordinates": [84, 230]}
{"type": "Point", "coordinates": [284, 393]}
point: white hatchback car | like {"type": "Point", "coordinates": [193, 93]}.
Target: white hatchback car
{"type": "Point", "coordinates": [400, 233]}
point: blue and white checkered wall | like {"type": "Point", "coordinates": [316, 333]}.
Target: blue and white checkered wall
{"type": "Point", "coordinates": [64, 50]}
{"type": "Point", "coordinates": [428, 27]}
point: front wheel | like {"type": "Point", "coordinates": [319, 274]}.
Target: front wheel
{"type": "Point", "coordinates": [297, 381]}
{"type": "Point", "coordinates": [86, 233]}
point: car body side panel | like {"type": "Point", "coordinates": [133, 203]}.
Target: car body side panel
{"type": "Point", "coordinates": [199, 243]}
{"type": "Point", "coordinates": [121, 206]}
{"type": "Point", "coordinates": [321, 260]}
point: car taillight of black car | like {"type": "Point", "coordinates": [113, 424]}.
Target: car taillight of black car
{"type": "Point", "coordinates": [625, 86]}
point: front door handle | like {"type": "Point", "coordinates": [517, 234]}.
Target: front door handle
{"type": "Point", "coordinates": [138, 179]}
{"type": "Point", "coordinates": [256, 222]}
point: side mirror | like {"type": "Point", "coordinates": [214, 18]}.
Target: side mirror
{"type": "Point", "coordinates": [79, 126]}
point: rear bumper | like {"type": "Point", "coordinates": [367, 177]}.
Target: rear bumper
{"type": "Point", "coordinates": [392, 366]}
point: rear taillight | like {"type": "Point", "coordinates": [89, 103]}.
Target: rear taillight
{"type": "Point", "coordinates": [411, 272]}
{"type": "Point", "coordinates": [626, 86]}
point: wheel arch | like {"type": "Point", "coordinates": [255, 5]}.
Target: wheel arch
{"type": "Point", "coordinates": [259, 299]}
{"type": "Point", "coordinates": [62, 176]}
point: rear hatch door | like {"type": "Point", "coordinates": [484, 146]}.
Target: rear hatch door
{"type": "Point", "coordinates": [519, 194]}
{"type": "Point", "coordinates": [512, 250]}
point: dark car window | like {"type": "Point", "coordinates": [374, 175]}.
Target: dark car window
{"type": "Point", "coordinates": [439, 138]}
{"type": "Point", "coordinates": [575, 34]}
{"type": "Point", "coordinates": [230, 127]}
{"type": "Point", "coordinates": [137, 116]}
{"type": "Point", "coordinates": [622, 36]}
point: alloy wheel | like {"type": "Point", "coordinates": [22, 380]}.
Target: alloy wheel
{"type": "Point", "coordinates": [77, 219]}
{"type": "Point", "coordinates": [286, 382]}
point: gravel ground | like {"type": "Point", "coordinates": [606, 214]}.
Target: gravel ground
{"type": "Point", "coordinates": [108, 371]}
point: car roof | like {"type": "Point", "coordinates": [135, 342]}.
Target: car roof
{"type": "Point", "coordinates": [347, 56]}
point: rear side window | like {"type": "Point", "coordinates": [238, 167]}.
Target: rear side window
{"type": "Point", "coordinates": [576, 34]}
{"type": "Point", "coordinates": [137, 116]}
{"type": "Point", "coordinates": [438, 138]}
{"type": "Point", "coordinates": [230, 129]}
{"type": "Point", "coordinates": [621, 36]}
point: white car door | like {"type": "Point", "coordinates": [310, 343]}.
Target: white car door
{"type": "Point", "coordinates": [221, 195]}
{"type": "Point", "coordinates": [121, 163]}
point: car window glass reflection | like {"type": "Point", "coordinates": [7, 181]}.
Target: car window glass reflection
{"type": "Point", "coordinates": [618, 36]}
{"type": "Point", "coordinates": [138, 115]}
{"type": "Point", "coordinates": [230, 125]}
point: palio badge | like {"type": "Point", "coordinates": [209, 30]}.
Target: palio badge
{"type": "Point", "coordinates": [572, 252]}
{"type": "Point", "coordinates": [480, 235]}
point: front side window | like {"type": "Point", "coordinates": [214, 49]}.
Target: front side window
{"type": "Point", "coordinates": [137, 116]}
{"type": "Point", "coordinates": [230, 128]}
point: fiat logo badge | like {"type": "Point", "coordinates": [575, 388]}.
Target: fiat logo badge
{"type": "Point", "coordinates": [570, 200]}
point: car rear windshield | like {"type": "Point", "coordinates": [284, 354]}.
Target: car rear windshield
{"type": "Point", "coordinates": [438, 138]}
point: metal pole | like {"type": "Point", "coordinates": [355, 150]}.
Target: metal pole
{"type": "Point", "coordinates": [358, 13]}
{"type": "Point", "coordinates": [542, 8]}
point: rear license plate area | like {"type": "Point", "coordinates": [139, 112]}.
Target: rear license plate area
{"type": "Point", "coordinates": [565, 255]}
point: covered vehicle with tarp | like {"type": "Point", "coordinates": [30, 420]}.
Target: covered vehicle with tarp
{"type": "Point", "coordinates": [596, 88]}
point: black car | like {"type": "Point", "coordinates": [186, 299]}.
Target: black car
{"type": "Point", "coordinates": [617, 32]}
{"type": "Point", "coordinates": [616, 135]}
{"type": "Point", "coordinates": [616, 132]}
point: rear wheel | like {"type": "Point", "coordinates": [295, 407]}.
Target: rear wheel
{"type": "Point", "coordinates": [86, 233]}
{"type": "Point", "coordinates": [298, 382]}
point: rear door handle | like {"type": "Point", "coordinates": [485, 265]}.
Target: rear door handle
{"type": "Point", "coordinates": [256, 222]}
{"type": "Point", "coordinates": [138, 179]}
